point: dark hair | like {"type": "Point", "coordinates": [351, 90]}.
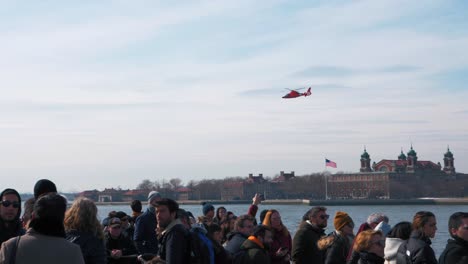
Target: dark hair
{"type": "Point", "coordinates": [217, 211]}
{"type": "Point", "coordinates": [182, 214]}
{"type": "Point", "coordinates": [259, 231]}
{"type": "Point", "coordinates": [313, 212]}
{"type": "Point", "coordinates": [172, 205]}
{"type": "Point", "coordinates": [401, 230]}
{"type": "Point", "coordinates": [421, 218]}
{"type": "Point", "coordinates": [213, 228]}
{"type": "Point", "coordinates": [136, 206]}
{"type": "Point", "coordinates": [263, 214]}
{"type": "Point", "coordinates": [44, 186]}
{"type": "Point", "coordinates": [48, 215]}
{"type": "Point", "coordinates": [240, 221]}
{"type": "Point", "coordinates": [455, 221]}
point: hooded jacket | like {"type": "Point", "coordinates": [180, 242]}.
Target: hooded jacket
{"type": "Point", "coordinates": [456, 252]}
{"type": "Point", "coordinates": [15, 227]}
{"type": "Point", "coordinates": [234, 242]}
{"type": "Point", "coordinates": [419, 248]}
{"type": "Point", "coordinates": [391, 249]}
{"type": "Point", "coordinates": [174, 243]}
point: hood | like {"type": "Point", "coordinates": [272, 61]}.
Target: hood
{"type": "Point", "coordinates": [248, 244]}
{"type": "Point", "coordinates": [171, 225]}
{"type": "Point", "coordinates": [13, 191]}
{"type": "Point", "coordinates": [391, 247]}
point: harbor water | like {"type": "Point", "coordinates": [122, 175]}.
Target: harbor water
{"type": "Point", "coordinates": [292, 214]}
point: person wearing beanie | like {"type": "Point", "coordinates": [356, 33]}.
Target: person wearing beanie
{"type": "Point", "coordinates": [44, 186]}
{"type": "Point", "coordinates": [338, 243]}
{"type": "Point", "coordinates": [208, 214]}
{"type": "Point", "coordinates": [10, 210]}
{"type": "Point", "coordinates": [145, 227]}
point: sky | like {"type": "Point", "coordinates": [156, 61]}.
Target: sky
{"type": "Point", "coordinates": [98, 94]}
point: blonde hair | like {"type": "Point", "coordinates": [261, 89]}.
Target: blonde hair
{"type": "Point", "coordinates": [82, 216]}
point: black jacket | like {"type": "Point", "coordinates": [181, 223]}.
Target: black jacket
{"type": "Point", "coordinates": [92, 248]}
{"type": "Point", "coordinates": [419, 248]}
{"type": "Point", "coordinates": [174, 244]}
{"type": "Point", "coordinates": [456, 252]}
{"type": "Point", "coordinates": [121, 243]}
{"type": "Point", "coordinates": [369, 258]}
{"type": "Point", "coordinates": [304, 245]}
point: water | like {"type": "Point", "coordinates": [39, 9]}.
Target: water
{"type": "Point", "coordinates": [292, 214]}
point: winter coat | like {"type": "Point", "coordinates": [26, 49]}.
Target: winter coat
{"type": "Point", "coordinates": [456, 252]}
{"type": "Point", "coordinates": [174, 244]}
{"type": "Point", "coordinates": [145, 234]}
{"type": "Point", "coordinates": [369, 258]}
{"type": "Point", "coordinates": [255, 253]}
{"type": "Point", "coordinates": [93, 248]}
{"type": "Point", "coordinates": [280, 240]}
{"type": "Point", "coordinates": [419, 247]}
{"type": "Point", "coordinates": [37, 248]}
{"type": "Point", "coordinates": [391, 249]}
{"type": "Point", "coordinates": [234, 242]}
{"type": "Point", "coordinates": [337, 247]}
{"type": "Point", "coordinates": [122, 243]}
{"type": "Point", "coordinates": [304, 244]}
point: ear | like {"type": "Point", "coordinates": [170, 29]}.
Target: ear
{"type": "Point", "coordinates": [453, 231]}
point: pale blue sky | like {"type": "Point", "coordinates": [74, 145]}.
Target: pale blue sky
{"type": "Point", "coordinates": [107, 93]}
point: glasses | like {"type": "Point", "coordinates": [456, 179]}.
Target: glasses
{"type": "Point", "coordinates": [7, 203]}
{"type": "Point", "coordinates": [323, 217]}
{"type": "Point", "coordinates": [465, 227]}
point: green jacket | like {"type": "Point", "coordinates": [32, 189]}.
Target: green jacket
{"type": "Point", "coordinates": [255, 254]}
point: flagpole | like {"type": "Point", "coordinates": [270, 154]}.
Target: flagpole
{"type": "Point", "coordinates": [326, 181]}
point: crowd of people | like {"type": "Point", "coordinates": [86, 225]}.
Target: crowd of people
{"type": "Point", "coordinates": [49, 231]}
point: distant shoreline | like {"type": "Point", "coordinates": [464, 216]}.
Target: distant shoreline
{"type": "Point", "coordinates": [429, 201]}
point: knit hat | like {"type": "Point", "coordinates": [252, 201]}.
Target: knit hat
{"type": "Point", "coordinates": [153, 195]}
{"type": "Point", "coordinates": [341, 220]}
{"type": "Point", "coordinates": [207, 207]}
{"type": "Point", "coordinates": [44, 186]}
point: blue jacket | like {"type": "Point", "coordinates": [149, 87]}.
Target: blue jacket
{"type": "Point", "coordinates": [145, 232]}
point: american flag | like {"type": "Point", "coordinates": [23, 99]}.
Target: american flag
{"type": "Point", "coordinates": [329, 163]}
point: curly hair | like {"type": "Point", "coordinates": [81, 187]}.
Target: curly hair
{"type": "Point", "coordinates": [82, 216]}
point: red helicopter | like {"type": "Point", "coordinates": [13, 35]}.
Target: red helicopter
{"type": "Point", "coordinates": [295, 93]}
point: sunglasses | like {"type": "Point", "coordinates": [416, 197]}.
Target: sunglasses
{"type": "Point", "coordinates": [7, 203]}
{"type": "Point", "coordinates": [323, 217]}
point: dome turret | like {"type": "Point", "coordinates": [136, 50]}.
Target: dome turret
{"type": "Point", "coordinates": [402, 156]}
{"type": "Point", "coordinates": [449, 154]}
{"type": "Point", "coordinates": [412, 152]}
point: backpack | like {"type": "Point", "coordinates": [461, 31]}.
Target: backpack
{"type": "Point", "coordinates": [403, 254]}
{"type": "Point", "coordinates": [200, 248]}
{"type": "Point", "coordinates": [239, 256]}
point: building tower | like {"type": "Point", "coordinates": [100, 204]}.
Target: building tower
{"type": "Point", "coordinates": [402, 155]}
{"type": "Point", "coordinates": [412, 160]}
{"type": "Point", "coordinates": [448, 162]}
{"type": "Point", "coordinates": [365, 162]}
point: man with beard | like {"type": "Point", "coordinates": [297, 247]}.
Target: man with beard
{"type": "Point", "coordinates": [304, 246]}
{"type": "Point", "coordinates": [10, 210]}
{"type": "Point", "coordinates": [456, 251]}
{"type": "Point", "coordinates": [174, 237]}
{"type": "Point", "coordinates": [257, 246]}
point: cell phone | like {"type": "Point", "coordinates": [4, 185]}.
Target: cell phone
{"type": "Point", "coordinates": [262, 197]}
